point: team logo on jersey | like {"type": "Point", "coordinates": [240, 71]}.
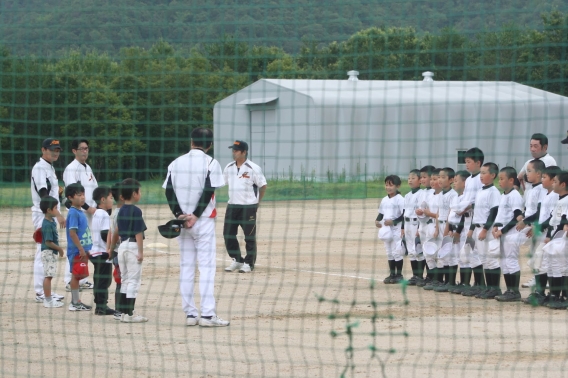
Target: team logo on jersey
{"type": "Point", "coordinates": [245, 175]}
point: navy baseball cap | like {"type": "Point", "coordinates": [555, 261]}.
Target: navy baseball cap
{"type": "Point", "coordinates": [565, 140]}
{"type": "Point", "coordinates": [239, 145]}
{"type": "Point", "coordinates": [50, 144]}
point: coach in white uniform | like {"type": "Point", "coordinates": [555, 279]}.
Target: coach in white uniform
{"type": "Point", "coordinates": [44, 183]}
{"type": "Point", "coordinates": [78, 171]}
{"type": "Point", "coordinates": [247, 186]}
{"type": "Point", "coordinates": [539, 150]}
{"type": "Point", "coordinates": [190, 189]}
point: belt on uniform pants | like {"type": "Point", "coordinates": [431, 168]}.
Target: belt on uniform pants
{"type": "Point", "coordinates": [130, 239]}
{"type": "Point", "coordinates": [430, 221]}
{"type": "Point", "coordinates": [466, 215]}
{"type": "Point", "coordinates": [410, 219]}
{"type": "Point", "coordinates": [442, 221]}
{"type": "Point", "coordinates": [478, 225]}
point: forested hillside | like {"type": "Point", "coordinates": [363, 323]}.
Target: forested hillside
{"type": "Point", "coordinates": [46, 27]}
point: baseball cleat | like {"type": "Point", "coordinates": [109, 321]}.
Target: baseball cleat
{"type": "Point", "coordinates": [535, 299]}
{"type": "Point", "coordinates": [388, 279]}
{"type": "Point", "coordinates": [215, 321]}
{"type": "Point", "coordinates": [509, 296]}
{"type": "Point", "coordinates": [52, 304]}
{"type": "Point", "coordinates": [397, 279]}
{"type": "Point", "coordinates": [424, 282]}
{"type": "Point", "coordinates": [245, 268]}
{"type": "Point", "coordinates": [234, 266]}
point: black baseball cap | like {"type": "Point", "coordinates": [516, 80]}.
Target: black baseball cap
{"type": "Point", "coordinates": [239, 145]}
{"type": "Point", "coordinates": [50, 144]}
{"type": "Point", "coordinates": [565, 140]}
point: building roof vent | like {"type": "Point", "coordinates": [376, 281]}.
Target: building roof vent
{"type": "Point", "coordinates": [428, 76]}
{"type": "Point", "coordinates": [353, 75]}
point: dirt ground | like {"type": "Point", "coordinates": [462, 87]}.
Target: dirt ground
{"type": "Point", "coordinates": [310, 309]}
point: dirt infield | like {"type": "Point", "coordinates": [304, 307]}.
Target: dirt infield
{"type": "Point", "coordinates": [307, 250]}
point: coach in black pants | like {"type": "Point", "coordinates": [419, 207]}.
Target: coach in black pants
{"type": "Point", "coordinates": [247, 186]}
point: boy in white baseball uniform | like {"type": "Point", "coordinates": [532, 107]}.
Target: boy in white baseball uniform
{"type": "Point", "coordinates": [486, 207]}
{"type": "Point", "coordinates": [410, 221]}
{"type": "Point", "coordinates": [119, 201]}
{"type": "Point", "coordinates": [455, 226]}
{"type": "Point", "coordinates": [534, 196]}
{"type": "Point", "coordinates": [449, 263]}
{"type": "Point", "coordinates": [539, 260]}
{"type": "Point", "coordinates": [557, 265]}
{"type": "Point", "coordinates": [510, 207]}
{"type": "Point", "coordinates": [425, 193]}
{"type": "Point", "coordinates": [431, 211]}
{"type": "Point", "coordinates": [389, 223]}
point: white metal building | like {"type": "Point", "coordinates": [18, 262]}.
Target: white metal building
{"type": "Point", "coordinates": [318, 127]}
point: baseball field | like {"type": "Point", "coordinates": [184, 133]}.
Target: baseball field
{"type": "Point", "coordinates": [315, 306]}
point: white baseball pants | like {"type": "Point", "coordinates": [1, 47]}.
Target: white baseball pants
{"type": "Point", "coordinates": [477, 256]}
{"type": "Point", "coordinates": [410, 229]}
{"type": "Point", "coordinates": [394, 248]}
{"type": "Point", "coordinates": [510, 252]}
{"type": "Point", "coordinates": [37, 219]}
{"type": "Point", "coordinates": [130, 268]}
{"type": "Point", "coordinates": [198, 248]}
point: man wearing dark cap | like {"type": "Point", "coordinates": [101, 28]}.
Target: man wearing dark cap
{"type": "Point", "coordinates": [247, 185]}
{"type": "Point", "coordinates": [44, 183]}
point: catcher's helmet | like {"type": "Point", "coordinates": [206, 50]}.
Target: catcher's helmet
{"type": "Point", "coordinates": [172, 229]}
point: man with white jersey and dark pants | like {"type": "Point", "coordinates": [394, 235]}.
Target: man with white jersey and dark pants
{"type": "Point", "coordinates": [78, 171]}
{"type": "Point", "coordinates": [44, 183]}
{"type": "Point", "coordinates": [539, 150]}
{"type": "Point", "coordinates": [247, 186]}
{"type": "Point", "coordinates": [190, 189]}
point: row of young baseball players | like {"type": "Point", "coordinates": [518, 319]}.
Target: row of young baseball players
{"type": "Point", "coordinates": [462, 219]}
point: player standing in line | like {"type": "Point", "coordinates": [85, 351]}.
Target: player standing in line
{"type": "Point", "coordinates": [425, 193]}
{"type": "Point", "coordinates": [539, 260]}
{"type": "Point", "coordinates": [409, 228]}
{"type": "Point", "coordinates": [78, 171]}
{"type": "Point", "coordinates": [44, 183]}
{"type": "Point", "coordinates": [534, 196]}
{"type": "Point", "coordinates": [247, 186]}
{"type": "Point", "coordinates": [557, 270]}
{"type": "Point", "coordinates": [119, 201]}
{"type": "Point", "coordinates": [456, 224]}
{"type": "Point", "coordinates": [431, 211]}
{"type": "Point", "coordinates": [486, 207]}
{"type": "Point", "coordinates": [510, 207]}
{"type": "Point", "coordinates": [49, 248]}
{"type": "Point", "coordinates": [99, 256]}
{"type": "Point", "coordinates": [390, 217]}
{"type": "Point", "coordinates": [447, 197]}
{"type": "Point", "coordinates": [79, 242]}
{"type": "Point", "coordinates": [190, 189]}
{"type": "Point", "coordinates": [539, 150]}
{"type": "Point", "coordinates": [473, 161]}
{"type": "Point", "coordinates": [130, 227]}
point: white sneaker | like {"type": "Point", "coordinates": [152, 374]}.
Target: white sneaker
{"type": "Point", "coordinates": [39, 298]}
{"type": "Point", "coordinates": [245, 268]}
{"type": "Point", "coordinates": [52, 304]}
{"type": "Point", "coordinates": [191, 321]}
{"type": "Point", "coordinates": [215, 321]}
{"type": "Point", "coordinates": [56, 296]}
{"type": "Point", "coordinates": [125, 318]}
{"type": "Point", "coordinates": [117, 316]}
{"type": "Point", "coordinates": [133, 319]}
{"type": "Point", "coordinates": [79, 307]}
{"type": "Point", "coordinates": [68, 288]}
{"type": "Point", "coordinates": [530, 283]}
{"type": "Point", "coordinates": [234, 266]}
{"type": "Point", "coordinates": [86, 285]}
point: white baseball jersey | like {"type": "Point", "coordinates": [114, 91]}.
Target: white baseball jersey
{"type": "Point", "coordinates": [77, 172]}
{"type": "Point", "coordinates": [547, 206]}
{"type": "Point", "coordinates": [508, 203]}
{"type": "Point", "coordinates": [445, 203]}
{"type": "Point", "coordinates": [533, 197]}
{"type": "Point", "coordinates": [100, 222]}
{"type": "Point", "coordinates": [411, 203]}
{"type": "Point", "coordinates": [243, 182]}
{"type": "Point", "coordinates": [391, 208]}
{"type": "Point", "coordinates": [433, 202]}
{"type": "Point", "coordinates": [486, 199]}
{"type": "Point", "coordinates": [423, 197]}
{"type": "Point", "coordinates": [472, 186]}
{"type": "Point", "coordinates": [546, 159]}
{"type": "Point", "coordinates": [43, 176]}
{"type": "Point", "coordinates": [560, 209]}
{"type": "Point", "coordinates": [189, 173]}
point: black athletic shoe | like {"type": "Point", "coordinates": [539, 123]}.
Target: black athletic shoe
{"type": "Point", "coordinates": [444, 288]}
{"type": "Point", "coordinates": [104, 311]}
{"type": "Point", "coordinates": [432, 285]}
{"type": "Point", "coordinates": [558, 304]}
{"type": "Point", "coordinates": [490, 294]}
{"type": "Point", "coordinates": [397, 279]}
{"type": "Point", "coordinates": [473, 291]}
{"type": "Point", "coordinates": [460, 288]}
{"type": "Point", "coordinates": [424, 282]}
{"type": "Point", "coordinates": [388, 280]}
{"type": "Point", "coordinates": [509, 296]}
{"type": "Point", "coordinates": [413, 280]}
{"type": "Point", "coordinates": [535, 299]}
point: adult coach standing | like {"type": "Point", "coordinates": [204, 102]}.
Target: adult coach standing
{"type": "Point", "coordinates": [78, 171]}
{"type": "Point", "coordinates": [190, 189]}
{"type": "Point", "coordinates": [247, 185]}
{"type": "Point", "coordinates": [44, 183]}
{"type": "Point", "coordinates": [539, 150]}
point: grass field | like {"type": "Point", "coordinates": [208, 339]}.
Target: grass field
{"type": "Point", "coordinates": [18, 194]}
